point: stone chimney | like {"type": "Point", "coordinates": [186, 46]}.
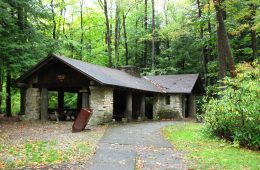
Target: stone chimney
{"type": "Point", "coordinates": [132, 70]}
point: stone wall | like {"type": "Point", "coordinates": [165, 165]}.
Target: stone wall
{"type": "Point", "coordinates": [160, 104]}
{"type": "Point", "coordinates": [32, 104]}
{"type": "Point", "coordinates": [101, 101]}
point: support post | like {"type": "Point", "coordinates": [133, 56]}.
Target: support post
{"type": "Point", "coordinates": [60, 99]}
{"type": "Point", "coordinates": [79, 101]}
{"type": "Point", "coordinates": [85, 100]}
{"type": "Point", "coordinates": [142, 106]}
{"type": "Point", "coordinates": [129, 106]}
{"type": "Point", "coordinates": [44, 104]}
{"type": "Point", "coordinates": [23, 100]}
{"type": "Point", "coordinates": [192, 105]}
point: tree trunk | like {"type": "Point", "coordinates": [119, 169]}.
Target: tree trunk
{"type": "Point", "coordinates": [146, 28]}
{"type": "Point", "coordinates": [165, 6]}
{"type": "Point", "coordinates": [209, 45]}
{"type": "Point", "coordinates": [224, 49]}
{"type": "Point", "coordinates": [125, 38]}
{"type": "Point", "coordinates": [136, 28]}
{"type": "Point", "coordinates": [53, 20]}
{"type": "Point", "coordinates": [1, 88]}
{"type": "Point", "coordinates": [8, 92]}
{"type": "Point", "coordinates": [253, 32]}
{"type": "Point", "coordinates": [153, 36]}
{"type": "Point", "coordinates": [60, 20]}
{"type": "Point", "coordinates": [81, 28]}
{"type": "Point", "coordinates": [204, 55]}
{"type": "Point", "coordinates": [117, 23]}
{"type": "Point", "coordinates": [63, 23]}
{"type": "Point", "coordinates": [108, 35]}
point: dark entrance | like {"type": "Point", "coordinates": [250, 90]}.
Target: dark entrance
{"type": "Point", "coordinates": [119, 104]}
{"type": "Point", "coordinates": [149, 107]}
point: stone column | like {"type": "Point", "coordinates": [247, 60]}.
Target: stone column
{"type": "Point", "coordinates": [178, 104]}
{"type": "Point", "coordinates": [129, 106]}
{"type": "Point", "coordinates": [32, 104]}
{"type": "Point", "coordinates": [44, 104]}
{"type": "Point", "coordinates": [142, 106]}
{"type": "Point", "coordinates": [101, 101]}
{"type": "Point", "coordinates": [192, 105]}
{"type": "Point", "coordinates": [156, 105]}
{"type": "Point", "coordinates": [85, 100]}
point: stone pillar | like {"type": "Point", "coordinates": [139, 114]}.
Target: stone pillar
{"type": "Point", "coordinates": [44, 104]}
{"type": "Point", "coordinates": [85, 100]}
{"type": "Point", "coordinates": [157, 105]}
{"type": "Point", "coordinates": [101, 101]}
{"type": "Point", "coordinates": [142, 106]}
{"type": "Point", "coordinates": [129, 106]}
{"type": "Point", "coordinates": [32, 104]}
{"type": "Point", "coordinates": [192, 105]}
{"type": "Point", "coordinates": [178, 104]}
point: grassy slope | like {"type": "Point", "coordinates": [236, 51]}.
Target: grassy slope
{"type": "Point", "coordinates": [207, 153]}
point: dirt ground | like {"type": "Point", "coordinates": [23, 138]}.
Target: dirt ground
{"type": "Point", "coordinates": [18, 133]}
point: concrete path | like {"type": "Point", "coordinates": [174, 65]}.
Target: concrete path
{"type": "Point", "coordinates": [141, 145]}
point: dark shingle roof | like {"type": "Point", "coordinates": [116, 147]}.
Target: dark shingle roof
{"type": "Point", "coordinates": [109, 76]}
{"type": "Point", "coordinates": [181, 83]}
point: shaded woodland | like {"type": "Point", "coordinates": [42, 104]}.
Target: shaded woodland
{"type": "Point", "coordinates": [159, 37]}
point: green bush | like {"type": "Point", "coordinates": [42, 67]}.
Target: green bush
{"type": "Point", "coordinates": [168, 114]}
{"type": "Point", "coordinates": [235, 113]}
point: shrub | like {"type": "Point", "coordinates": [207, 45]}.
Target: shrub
{"type": "Point", "coordinates": [168, 114]}
{"type": "Point", "coordinates": [235, 113]}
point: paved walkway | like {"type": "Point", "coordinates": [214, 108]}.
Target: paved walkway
{"type": "Point", "coordinates": [125, 146]}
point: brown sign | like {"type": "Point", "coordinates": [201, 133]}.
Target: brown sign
{"type": "Point", "coordinates": [61, 77]}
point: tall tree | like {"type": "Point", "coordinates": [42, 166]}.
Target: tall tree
{"type": "Point", "coordinates": [153, 35]}
{"type": "Point", "coordinates": [224, 49]}
{"type": "Point", "coordinates": [253, 30]}
{"type": "Point", "coordinates": [8, 100]}
{"type": "Point", "coordinates": [204, 54]}
{"type": "Point", "coordinates": [53, 20]}
{"type": "Point", "coordinates": [125, 39]}
{"type": "Point", "coordinates": [1, 86]}
{"type": "Point", "coordinates": [81, 28]}
{"type": "Point", "coordinates": [108, 32]}
{"type": "Point", "coordinates": [146, 28]}
{"type": "Point", "coordinates": [117, 31]}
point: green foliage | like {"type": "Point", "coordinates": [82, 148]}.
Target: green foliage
{"type": "Point", "coordinates": [205, 152]}
{"type": "Point", "coordinates": [235, 114]}
{"type": "Point", "coordinates": [168, 114]}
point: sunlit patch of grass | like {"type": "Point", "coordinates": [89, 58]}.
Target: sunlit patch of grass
{"type": "Point", "coordinates": [209, 153]}
{"type": "Point", "coordinates": [35, 153]}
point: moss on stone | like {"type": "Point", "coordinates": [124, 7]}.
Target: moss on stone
{"type": "Point", "coordinates": [168, 114]}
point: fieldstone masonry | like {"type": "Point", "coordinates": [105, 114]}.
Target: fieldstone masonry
{"type": "Point", "coordinates": [160, 104]}
{"type": "Point", "coordinates": [101, 101]}
{"type": "Point", "coordinates": [32, 104]}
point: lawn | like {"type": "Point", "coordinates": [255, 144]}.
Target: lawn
{"type": "Point", "coordinates": [204, 152]}
{"type": "Point", "coordinates": [45, 144]}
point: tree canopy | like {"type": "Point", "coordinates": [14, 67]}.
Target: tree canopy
{"type": "Point", "coordinates": [159, 37]}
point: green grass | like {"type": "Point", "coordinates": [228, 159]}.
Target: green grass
{"type": "Point", "coordinates": [207, 153]}
{"type": "Point", "coordinates": [35, 153]}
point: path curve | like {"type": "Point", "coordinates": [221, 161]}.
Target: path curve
{"type": "Point", "coordinates": [127, 145]}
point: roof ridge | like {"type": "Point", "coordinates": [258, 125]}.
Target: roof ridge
{"type": "Point", "coordinates": [157, 85]}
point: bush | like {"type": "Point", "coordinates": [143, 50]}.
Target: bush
{"type": "Point", "coordinates": [235, 113]}
{"type": "Point", "coordinates": [168, 114]}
